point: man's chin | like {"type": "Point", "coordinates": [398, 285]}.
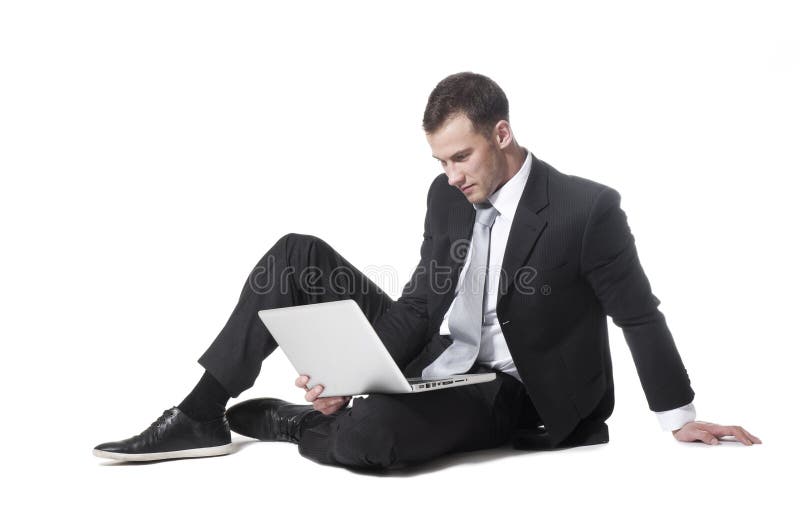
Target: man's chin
{"type": "Point", "coordinates": [472, 197]}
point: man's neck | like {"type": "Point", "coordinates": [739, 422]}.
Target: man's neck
{"type": "Point", "coordinates": [515, 158]}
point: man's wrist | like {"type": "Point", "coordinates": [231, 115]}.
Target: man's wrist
{"type": "Point", "coordinates": [676, 418]}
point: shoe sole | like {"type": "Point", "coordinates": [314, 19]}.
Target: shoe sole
{"type": "Point", "coordinates": [199, 452]}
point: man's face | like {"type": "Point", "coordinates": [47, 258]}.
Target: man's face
{"type": "Point", "coordinates": [472, 162]}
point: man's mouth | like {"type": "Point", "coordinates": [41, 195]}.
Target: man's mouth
{"type": "Point", "coordinates": [465, 188]}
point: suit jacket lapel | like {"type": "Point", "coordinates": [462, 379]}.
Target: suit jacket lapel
{"type": "Point", "coordinates": [527, 224]}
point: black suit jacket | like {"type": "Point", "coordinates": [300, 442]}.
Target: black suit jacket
{"type": "Point", "coordinates": [570, 261]}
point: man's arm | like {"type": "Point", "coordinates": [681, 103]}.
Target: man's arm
{"type": "Point", "coordinates": [611, 265]}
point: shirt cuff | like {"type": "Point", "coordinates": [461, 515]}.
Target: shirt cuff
{"type": "Point", "coordinates": [677, 417]}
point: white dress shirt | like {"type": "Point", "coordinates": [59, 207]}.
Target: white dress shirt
{"type": "Point", "coordinates": [494, 352]}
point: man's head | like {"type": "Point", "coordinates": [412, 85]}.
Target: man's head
{"type": "Point", "coordinates": [466, 125]}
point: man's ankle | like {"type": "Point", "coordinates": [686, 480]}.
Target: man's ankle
{"type": "Point", "coordinates": [207, 400]}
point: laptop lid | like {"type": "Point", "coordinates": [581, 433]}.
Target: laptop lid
{"type": "Point", "coordinates": [336, 346]}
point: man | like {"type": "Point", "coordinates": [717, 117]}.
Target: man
{"type": "Point", "coordinates": [519, 267]}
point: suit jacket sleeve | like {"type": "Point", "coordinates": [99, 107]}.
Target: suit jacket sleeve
{"type": "Point", "coordinates": [611, 265]}
{"type": "Point", "coordinates": [403, 328]}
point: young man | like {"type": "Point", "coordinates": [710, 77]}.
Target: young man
{"type": "Point", "coordinates": [548, 257]}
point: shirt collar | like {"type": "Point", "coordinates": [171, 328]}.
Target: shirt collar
{"type": "Point", "coordinates": [506, 199]}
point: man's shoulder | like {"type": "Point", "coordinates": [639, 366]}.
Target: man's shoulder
{"type": "Point", "coordinates": [569, 184]}
{"type": "Point", "coordinates": [572, 192]}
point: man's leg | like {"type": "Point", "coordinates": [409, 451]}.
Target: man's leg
{"type": "Point", "coordinates": [297, 270]}
{"type": "Point", "coordinates": [386, 431]}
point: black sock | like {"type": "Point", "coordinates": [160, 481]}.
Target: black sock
{"type": "Point", "coordinates": [206, 401]}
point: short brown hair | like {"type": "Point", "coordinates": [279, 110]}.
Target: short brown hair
{"type": "Point", "coordinates": [475, 95]}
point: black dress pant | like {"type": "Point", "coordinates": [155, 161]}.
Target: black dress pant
{"type": "Point", "coordinates": [380, 430]}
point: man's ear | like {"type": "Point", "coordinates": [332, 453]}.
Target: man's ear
{"type": "Point", "coordinates": [503, 135]}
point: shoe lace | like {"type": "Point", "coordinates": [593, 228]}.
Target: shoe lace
{"type": "Point", "coordinates": [153, 428]}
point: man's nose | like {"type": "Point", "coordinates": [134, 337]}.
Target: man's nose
{"type": "Point", "coordinates": [455, 178]}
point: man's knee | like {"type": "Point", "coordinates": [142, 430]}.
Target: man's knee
{"type": "Point", "coordinates": [303, 250]}
{"type": "Point", "coordinates": [290, 241]}
{"type": "Point", "coordinates": [279, 266]}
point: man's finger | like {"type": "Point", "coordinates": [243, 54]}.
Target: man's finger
{"type": "Point", "coordinates": [731, 430]}
{"type": "Point", "coordinates": [331, 402]}
{"type": "Point", "coordinates": [301, 381]}
{"type": "Point", "coordinates": [323, 403]}
{"type": "Point", "coordinates": [313, 393]}
{"type": "Point", "coordinates": [327, 407]}
{"type": "Point", "coordinates": [705, 437]}
{"type": "Point", "coordinates": [739, 434]}
{"type": "Point", "coordinates": [754, 438]}
{"type": "Point", "coordinates": [742, 436]}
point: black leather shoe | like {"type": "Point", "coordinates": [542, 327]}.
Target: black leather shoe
{"type": "Point", "coordinates": [270, 419]}
{"type": "Point", "coordinates": [173, 435]}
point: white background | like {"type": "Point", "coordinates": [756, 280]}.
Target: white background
{"type": "Point", "coordinates": [151, 152]}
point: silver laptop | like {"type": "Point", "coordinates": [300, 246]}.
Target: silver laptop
{"type": "Point", "coordinates": [337, 347]}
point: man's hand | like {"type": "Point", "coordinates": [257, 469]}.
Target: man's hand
{"type": "Point", "coordinates": [326, 405]}
{"type": "Point", "coordinates": [709, 433]}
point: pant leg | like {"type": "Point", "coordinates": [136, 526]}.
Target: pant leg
{"type": "Point", "coordinates": [297, 270]}
{"type": "Point", "coordinates": [387, 431]}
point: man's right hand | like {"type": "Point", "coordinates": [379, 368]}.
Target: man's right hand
{"type": "Point", "coordinates": [326, 405]}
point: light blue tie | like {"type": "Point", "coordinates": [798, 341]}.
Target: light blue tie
{"type": "Point", "coordinates": [466, 316]}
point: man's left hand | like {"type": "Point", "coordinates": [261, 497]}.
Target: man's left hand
{"type": "Point", "coordinates": [709, 433]}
